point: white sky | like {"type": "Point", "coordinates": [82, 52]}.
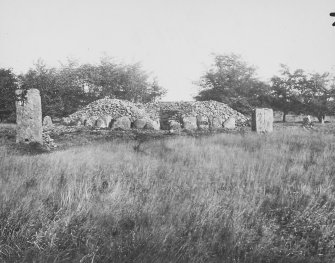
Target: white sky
{"type": "Point", "coordinates": [173, 39]}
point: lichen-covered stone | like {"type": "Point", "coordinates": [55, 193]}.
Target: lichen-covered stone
{"type": "Point", "coordinates": [230, 123]}
{"type": "Point", "coordinates": [29, 117]}
{"type": "Point", "coordinates": [103, 122]}
{"type": "Point", "coordinates": [140, 123]}
{"type": "Point", "coordinates": [90, 122]}
{"type": "Point", "coordinates": [202, 122]}
{"type": "Point", "coordinates": [189, 122]}
{"type": "Point", "coordinates": [47, 121]}
{"type": "Point", "coordinates": [122, 123]}
{"type": "Point", "coordinates": [152, 125]}
{"type": "Point", "coordinates": [174, 125]}
{"type": "Point", "coordinates": [215, 122]}
{"type": "Point", "coordinates": [262, 120]}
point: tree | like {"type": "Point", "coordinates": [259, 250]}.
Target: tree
{"type": "Point", "coordinates": [286, 91]}
{"type": "Point", "coordinates": [45, 80]}
{"type": "Point", "coordinates": [8, 85]}
{"type": "Point", "coordinates": [317, 96]}
{"type": "Point", "coordinates": [66, 89]}
{"type": "Point", "coordinates": [299, 92]}
{"type": "Point", "coordinates": [232, 81]}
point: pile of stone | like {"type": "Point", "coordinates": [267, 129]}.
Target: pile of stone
{"type": "Point", "coordinates": [112, 113]}
{"type": "Point", "coordinates": [121, 114]}
{"type": "Point", "coordinates": [194, 114]}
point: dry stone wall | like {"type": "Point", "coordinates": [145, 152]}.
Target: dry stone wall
{"type": "Point", "coordinates": [114, 113]}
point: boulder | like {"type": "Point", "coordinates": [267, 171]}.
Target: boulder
{"type": "Point", "coordinates": [122, 123]}
{"type": "Point", "coordinates": [140, 123]}
{"type": "Point", "coordinates": [230, 123]}
{"type": "Point", "coordinates": [47, 122]}
{"type": "Point", "coordinates": [215, 122]}
{"type": "Point", "coordinates": [90, 122]}
{"type": "Point", "coordinates": [152, 125]}
{"type": "Point", "coordinates": [103, 122]}
{"type": "Point", "coordinates": [202, 122]}
{"type": "Point", "coordinates": [174, 125]}
{"type": "Point", "coordinates": [189, 122]}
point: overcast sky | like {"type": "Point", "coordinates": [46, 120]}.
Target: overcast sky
{"type": "Point", "coordinates": [173, 39]}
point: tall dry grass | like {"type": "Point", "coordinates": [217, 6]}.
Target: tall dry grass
{"type": "Point", "coordinates": [226, 198]}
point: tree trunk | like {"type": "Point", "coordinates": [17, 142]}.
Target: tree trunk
{"type": "Point", "coordinates": [284, 116]}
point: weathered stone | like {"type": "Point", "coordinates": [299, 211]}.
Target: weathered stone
{"type": "Point", "coordinates": [103, 122]}
{"type": "Point", "coordinates": [90, 122]}
{"type": "Point", "coordinates": [47, 121]}
{"type": "Point", "coordinates": [140, 123]}
{"type": "Point", "coordinates": [262, 120]}
{"type": "Point", "coordinates": [174, 125]}
{"type": "Point", "coordinates": [122, 123]}
{"type": "Point", "coordinates": [29, 117]}
{"type": "Point", "coordinates": [189, 122]}
{"type": "Point", "coordinates": [230, 123]}
{"type": "Point", "coordinates": [152, 125]}
{"type": "Point", "coordinates": [215, 122]}
{"type": "Point", "coordinates": [202, 122]}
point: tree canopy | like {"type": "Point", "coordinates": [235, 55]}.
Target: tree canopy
{"type": "Point", "coordinates": [8, 85]}
{"type": "Point", "coordinates": [232, 81]}
{"type": "Point", "coordinates": [64, 90]}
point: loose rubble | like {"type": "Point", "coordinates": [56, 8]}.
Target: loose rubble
{"type": "Point", "coordinates": [121, 114]}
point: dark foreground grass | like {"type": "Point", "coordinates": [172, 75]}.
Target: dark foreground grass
{"type": "Point", "coordinates": [226, 198]}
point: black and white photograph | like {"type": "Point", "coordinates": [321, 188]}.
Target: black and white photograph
{"type": "Point", "coordinates": [167, 131]}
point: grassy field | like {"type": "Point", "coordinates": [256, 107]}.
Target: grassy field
{"type": "Point", "coordinates": [224, 198]}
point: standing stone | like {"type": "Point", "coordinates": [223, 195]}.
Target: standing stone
{"type": "Point", "coordinates": [262, 120]}
{"type": "Point", "coordinates": [29, 117]}
{"type": "Point", "coordinates": [230, 123]}
{"type": "Point", "coordinates": [47, 122]}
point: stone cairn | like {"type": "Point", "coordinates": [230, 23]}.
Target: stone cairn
{"type": "Point", "coordinates": [28, 116]}
{"type": "Point", "coordinates": [121, 114]}
{"type": "Point", "coordinates": [262, 120]}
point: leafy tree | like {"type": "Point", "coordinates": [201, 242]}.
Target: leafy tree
{"type": "Point", "coordinates": [299, 92]}
{"type": "Point", "coordinates": [317, 96]}
{"type": "Point", "coordinates": [45, 80]}
{"type": "Point", "coordinates": [70, 87]}
{"type": "Point", "coordinates": [233, 81]}
{"type": "Point", "coordinates": [286, 91]}
{"type": "Point", "coordinates": [8, 85]}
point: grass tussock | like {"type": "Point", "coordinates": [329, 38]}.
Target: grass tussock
{"type": "Point", "coordinates": [226, 198]}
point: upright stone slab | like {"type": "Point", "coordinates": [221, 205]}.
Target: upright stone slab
{"type": "Point", "coordinates": [262, 120]}
{"type": "Point", "coordinates": [29, 117]}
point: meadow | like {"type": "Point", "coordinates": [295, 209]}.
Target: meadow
{"type": "Point", "coordinates": [221, 198]}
